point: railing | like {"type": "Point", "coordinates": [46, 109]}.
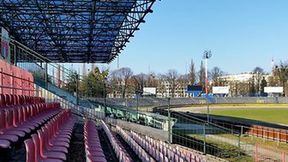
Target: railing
{"type": "Point", "coordinates": [132, 102]}
{"type": "Point", "coordinates": [274, 134]}
{"type": "Point", "coordinates": [14, 80]}
{"type": "Point", "coordinates": [81, 111]}
{"type": "Point", "coordinates": [41, 67]}
{"type": "Point", "coordinates": [279, 135]}
{"type": "Point", "coordinates": [25, 87]}
{"type": "Point", "coordinates": [46, 73]}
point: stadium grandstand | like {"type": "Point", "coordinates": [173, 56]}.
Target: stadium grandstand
{"type": "Point", "coordinates": [39, 119]}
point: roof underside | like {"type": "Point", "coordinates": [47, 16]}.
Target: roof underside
{"type": "Point", "coordinates": [74, 30]}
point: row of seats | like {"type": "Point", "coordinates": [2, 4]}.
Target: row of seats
{"type": "Point", "coordinates": [122, 148]}
{"type": "Point", "coordinates": [93, 149]}
{"type": "Point", "coordinates": [120, 151]}
{"type": "Point", "coordinates": [51, 143]}
{"type": "Point", "coordinates": [181, 152]}
{"type": "Point", "coordinates": [10, 100]}
{"type": "Point", "coordinates": [162, 152]}
{"type": "Point", "coordinates": [18, 121]}
{"type": "Point", "coordinates": [142, 154]}
{"type": "Point", "coordinates": [156, 154]}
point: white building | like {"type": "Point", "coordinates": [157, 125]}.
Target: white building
{"type": "Point", "coordinates": [165, 90]}
{"type": "Point", "coordinates": [243, 77]}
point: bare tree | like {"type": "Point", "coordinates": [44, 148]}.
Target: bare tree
{"type": "Point", "coordinates": [139, 81]}
{"type": "Point", "coordinates": [122, 76]}
{"type": "Point", "coordinates": [151, 80]}
{"type": "Point", "coordinates": [263, 84]}
{"type": "Point", "coordinates": [115, 82]}
{"type": "Point", "coordinates": [192, 73]}
{"type": "Point", "coordinates": [171, 77]}
{"type": "Point", "coordinates": [258, 72]}
{"type": "Point", "coordinates": [216, 74]}
{"type": "Point", "coordinates": [161, 88]}
{"type": "Point", "coordinates": [182, 82]}
{"type": "Point", "coordinates": [281, 72]}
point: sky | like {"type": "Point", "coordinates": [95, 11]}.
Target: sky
{"type": "Point", "coordinates": [241, 35]}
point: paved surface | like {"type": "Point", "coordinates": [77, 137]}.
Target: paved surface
{"type": "Point", "coordinates": [76, 151]}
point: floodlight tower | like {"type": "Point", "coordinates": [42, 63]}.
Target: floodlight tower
{"type": "Point", "coordinates": [207, 54]}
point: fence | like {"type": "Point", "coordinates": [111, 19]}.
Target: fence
{"type": "Point", "coordinates": [205, 137]}
{"type": "Point", "coordinates": [88, 113]}
{"type": "Point", "coordinates": [149, 101]}
{"type": "Point", "coordinates": [269, 133]}
{"type": "Point", "coordinates": [279, 135]}
{"type": "Point", "coordinates": [14, 80]}
{"type": "Point", "coordinates": [39, 66]}
{"type": "Point", "coordinates": [262, 153]}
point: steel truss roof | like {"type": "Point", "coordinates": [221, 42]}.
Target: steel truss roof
{"type": "Point", "coordinates": [74, 30]}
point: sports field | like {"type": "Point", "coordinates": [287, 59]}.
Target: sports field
{"type": "Point", "coordinates": [274, 115]}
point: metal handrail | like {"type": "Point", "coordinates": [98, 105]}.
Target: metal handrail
{"type": "Point", "coordinates": [27, 81]}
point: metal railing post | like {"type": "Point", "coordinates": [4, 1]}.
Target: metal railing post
{"type": "Point", "coordinates": [105, 100]}
{"type": "Point", "coordinates": [15, 55]}
{"type": "Point", "coordinates": [77, 89]}
{"type": "Point", "coordinates": [239, 145]}
{"type": "Point", "coordinates": [137, 108]}
{"type": "Point", "coordinates": [169, 123]}
{"type": "Point", "coordinates": [208, 109]}
{"type": "Point", "coordinates": [2, 80]}
{"type": "Point", "coordinates": [204, 138]}
{"type": "Point", "coordinates": [46, 72]}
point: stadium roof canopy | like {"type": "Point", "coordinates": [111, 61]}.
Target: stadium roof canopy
{"type": "Point", "coordinates": [74, 30]}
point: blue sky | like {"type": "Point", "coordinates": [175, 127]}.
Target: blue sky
{"type": "Point", "coordinates": [241, 34]}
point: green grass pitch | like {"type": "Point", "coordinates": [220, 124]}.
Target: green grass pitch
{"type": "Point", "coordinates": [273, 115]}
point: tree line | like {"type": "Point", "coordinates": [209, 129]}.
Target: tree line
{"type": "Point", "coordinates": [123, 82]}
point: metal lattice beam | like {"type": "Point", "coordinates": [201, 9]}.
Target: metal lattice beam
{"type": "Point", "coordinates": [74, 31]}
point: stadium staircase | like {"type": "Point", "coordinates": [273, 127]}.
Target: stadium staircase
{"type": "Point", "coordinates": [62, 93]}
{"type": "Point", "coordinates": [56, 90]}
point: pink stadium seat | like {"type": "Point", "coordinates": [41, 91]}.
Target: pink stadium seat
{"type": "Point", "coordinates": [52, 141]}
{"type": "Point", "coordinates": [16, 100]}
{"type": "Point", "coordinates": [7, 100]}
{"type": "Point", "coordinates": [50, 146]}
{"type": "Point", "coordinates": [48, 153]}
{"type": "Point", "coordinates": [21, 99]}
{"type": "Point", "coordinates": [5, 133]}
{"type": "Point", "coordinates": [13, 99]}
{"type": "Point", "coordinates": [95, 159]}
{"type": "Point", "coordinates": [93, 149]}
{"type": "Point", "coordinates": [4, 143]}
{"type": "Point", "coordinates": [17, 121]}
{"type": "Point", "coordinates": [2, 100]}
{"type": "Point", "coordinates": [31, 153]}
